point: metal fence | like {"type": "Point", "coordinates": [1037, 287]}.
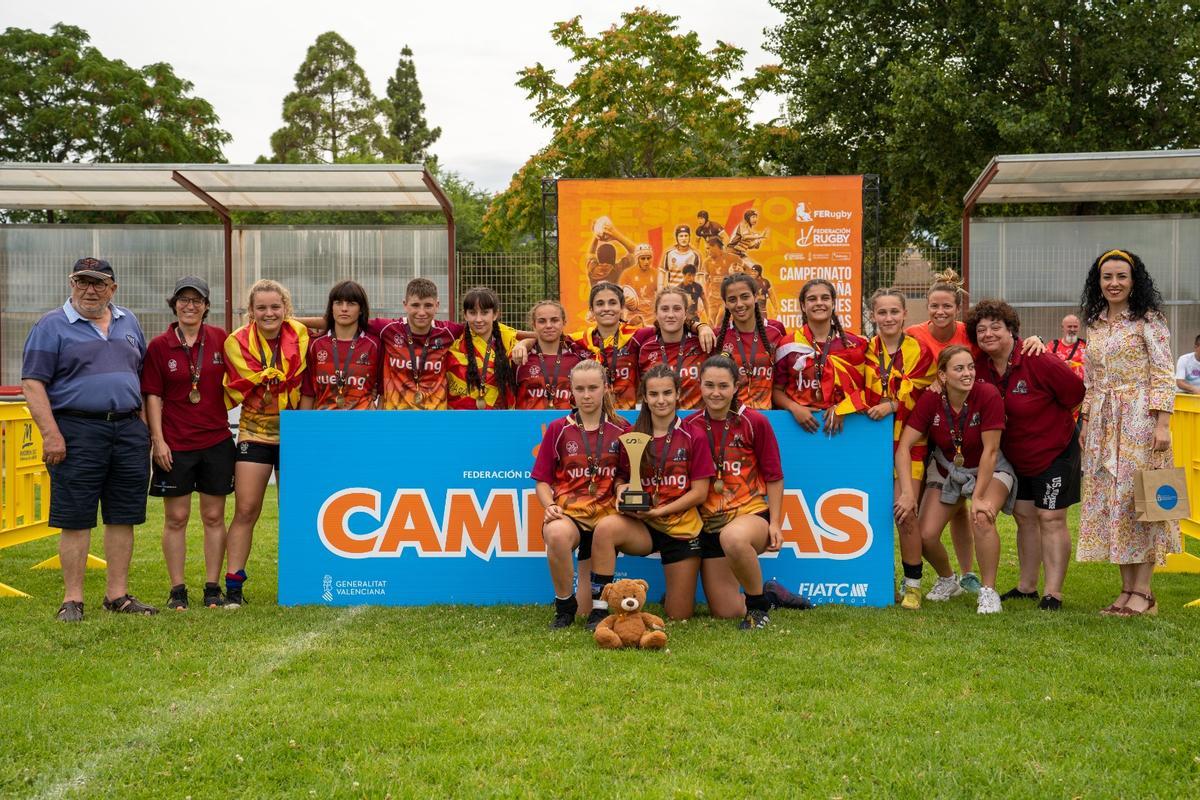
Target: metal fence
{"type": "Point", "coordinates": [35, 260]}
{"type": "Point", "coordinates": [519, 279]}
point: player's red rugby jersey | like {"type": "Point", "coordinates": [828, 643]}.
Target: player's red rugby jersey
{"type": "Point", "coordinates": [750, 461]}
{"type": "Point", "coordinates": [400, 384]}
{"type": "Point", "coordinates": [686, 459]}
{"type": "Point", "coordinates": [803, 365]}
{"type": "Point", "coordinates": [460, 394]}
{"type": "Point", "coordinates": [759, 375]}
{"type": "Point", "coordinates": [562, 462]}
{"type": "Point", "coordinates": [618, 358]}
{"type": "Point", "coordinates": [326, 356]}
{"type": "Point", "coordinates": [983, 411]}
{"type": "Point", "coordinates": [544, 381]}
{"type": "Point", "coordinates": [685, 357]}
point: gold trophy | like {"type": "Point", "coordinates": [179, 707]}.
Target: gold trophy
{"type": "Point", "coordinates": [635, 499]}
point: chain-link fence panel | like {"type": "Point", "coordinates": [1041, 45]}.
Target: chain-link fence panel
{"type": "Point", "coordinates": [519, 279]}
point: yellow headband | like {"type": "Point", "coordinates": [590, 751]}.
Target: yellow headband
{"type": "Point", "coordinates": [1121, 254]}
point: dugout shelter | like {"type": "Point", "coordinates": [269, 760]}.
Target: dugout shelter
{"type": "Point", "coordinates": [1037, 263]}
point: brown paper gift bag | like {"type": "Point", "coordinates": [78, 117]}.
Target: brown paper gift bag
{"type": "Point", "coordinates": [1160, 494]}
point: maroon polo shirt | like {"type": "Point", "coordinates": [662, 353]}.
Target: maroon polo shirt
{"type": "Point", "coordinates": [165, 372]}
{"type": "Point", "coordinates": [1040, 393]}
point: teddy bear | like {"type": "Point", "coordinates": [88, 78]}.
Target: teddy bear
{"type": "Point", "coordinates": [629, 626]}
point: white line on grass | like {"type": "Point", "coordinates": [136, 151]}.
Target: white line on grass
{"type": "Point", "coordinates": [199, 707]}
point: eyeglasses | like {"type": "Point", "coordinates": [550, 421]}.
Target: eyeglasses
{"type": "Point", "coordinates": [194, 302]}
{"type": "Point", "coordinates": [84, 284]}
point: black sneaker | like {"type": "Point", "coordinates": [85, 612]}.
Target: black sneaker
{"type": "Point", "coordinates": [212, 596]}
{"type": "Point", "coordinates": [779, 596]}
{"type": "Point", "coordinates": [1050, 603]}
{"type": "Point", "coordinates": [754, 620]}
{"type": "Point", "coordinates": [596, 617]}
{"type": "Point", "coordinates": [1015, 593]}
{"type": "Point", "coordinates": [564, 613]}
{"type": "Point", "coordinates": [234, 598]}
{"type": "Point", "coordinates": [178, 599]}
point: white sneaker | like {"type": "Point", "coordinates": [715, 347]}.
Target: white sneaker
{"type": "Point", "coordinates": [944, 589]}
{"type": "Point", "coordinates": [989, 601]}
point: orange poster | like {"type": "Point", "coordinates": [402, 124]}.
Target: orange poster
{"type": "Point", "coordinates": [643, 234]}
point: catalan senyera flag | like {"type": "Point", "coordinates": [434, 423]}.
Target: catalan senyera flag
{"type": "Point", "coordinates": [245, 370]}
{"type": "Point", "coordinates": [841, 378]}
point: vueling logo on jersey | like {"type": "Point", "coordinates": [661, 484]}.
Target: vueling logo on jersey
{"type": "Point", "coordinates": [508, 523]}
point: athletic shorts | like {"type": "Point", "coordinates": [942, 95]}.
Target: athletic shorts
{"type": "Point", "coordinates": [107, 467]}
{"type": "Point", "coordinates": [671, 548]}
{"type": "Point", "coordinates": [207, 471]}
{"type": "Point", "coordinates": [1058, 486]}
{"type": "Point", "coordinates": [710, 540]}
{"type": "Point", "coordinates": [585, 538]}
{"type": "Point", "coordinates": [258, 453]}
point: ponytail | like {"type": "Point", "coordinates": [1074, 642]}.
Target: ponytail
{"type": "Point", "coordinates": [505, 378]}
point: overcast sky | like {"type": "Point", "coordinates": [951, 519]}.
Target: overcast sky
{"type": "Point", "coordinates": [242, 57]}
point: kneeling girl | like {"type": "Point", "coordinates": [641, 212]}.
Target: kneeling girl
{"type": "Point", "coordinates": [577, 468]}
{"type": "Point", "coordinates": [676, 469]}
{"type": "Point", "coordinates": [743, 510]}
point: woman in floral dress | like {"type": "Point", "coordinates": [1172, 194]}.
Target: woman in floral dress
{"type": "Point", "coordinates": [1126, 424]}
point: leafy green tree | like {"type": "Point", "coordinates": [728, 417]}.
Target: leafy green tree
{"type": "Point", "coordinates": [925, 93]}
{"type": "Point", "coordinates": [62, 100]}
{"type": "Point", "coordinates": [332, 116]}
{"type": "Point", "coordinates": [646, 101]}
{"type": "Point", "coordinates": [410, 133]}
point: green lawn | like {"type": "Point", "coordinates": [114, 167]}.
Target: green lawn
{"type": "Point", "coordinates": [470, 702]}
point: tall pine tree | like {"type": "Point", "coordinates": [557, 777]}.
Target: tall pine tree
{"type": "Point", "coordinates": [332, 115]}
{"type": "Point", "coordinates": [411, 136]}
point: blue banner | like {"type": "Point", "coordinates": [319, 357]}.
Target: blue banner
{"type": "Point", "coordinates": [422, 507]}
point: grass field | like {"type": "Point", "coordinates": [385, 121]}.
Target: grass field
{"type": "Point", "coordinates": [484, 702]}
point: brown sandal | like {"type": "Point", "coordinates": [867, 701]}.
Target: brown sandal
{"type": "Point", "coordinates": [128, 604]}
{"type": "Point", "coordinates": [1149, 611]}
{"type": "Point", "coordinates": [1115, 607]}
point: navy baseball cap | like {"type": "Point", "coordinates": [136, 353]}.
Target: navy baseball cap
{"type": "Point", "coordinates": [93, 268]}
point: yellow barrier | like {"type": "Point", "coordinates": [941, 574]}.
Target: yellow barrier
{"type": "Point", "coordinates": [1185, 438]}
{"type": "Point", "coordinates": [24, 484]}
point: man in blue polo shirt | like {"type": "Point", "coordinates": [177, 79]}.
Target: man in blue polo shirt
{"type": "Point", "coordinates": [80, 375]}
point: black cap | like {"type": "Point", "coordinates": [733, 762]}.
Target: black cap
{"type": "Point", "coordinates": [93, 268]}
{"type": "Point", "coordinates": [191, 282]}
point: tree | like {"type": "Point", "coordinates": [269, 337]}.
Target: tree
{"type": "Point", "coordinates": [646, 101]}
{"type": "Point", "coordinates": [332, 116]}
{"type": "Point", "coordinates": [926, 93]}
{"type": "Point", "coordinates": [409, 131]}
{"type": "Point", "coordinates": [62, 100]}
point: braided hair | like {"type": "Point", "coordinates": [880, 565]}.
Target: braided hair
{"type": "Point", "coordinates": [481, 298]}
{"type": "Point", "coordinates": [759, 322]}
{"type": "Point", "coordinates": [833, 317]}
{"type": "Point", "coordinates": [644, 422]}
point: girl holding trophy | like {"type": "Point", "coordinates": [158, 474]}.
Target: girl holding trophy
{"type": "Point", "coordinates": [670, 468]}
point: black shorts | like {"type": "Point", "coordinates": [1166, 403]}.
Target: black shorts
{"type": "Point", "coordinates": [107, 466]}
{"type": "Point", "coordinates": [671, 548]}
{"type": "Point", "coordinates": [585, 539]}
{"type": "Point", "coordinates": [710, 538]}
{"type": "Point", "coordinates": [207, 471]}
{"type": "Point", "coordinates": [1058, 486]}
{"type": "Point", "coordinates": [258, 453]}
